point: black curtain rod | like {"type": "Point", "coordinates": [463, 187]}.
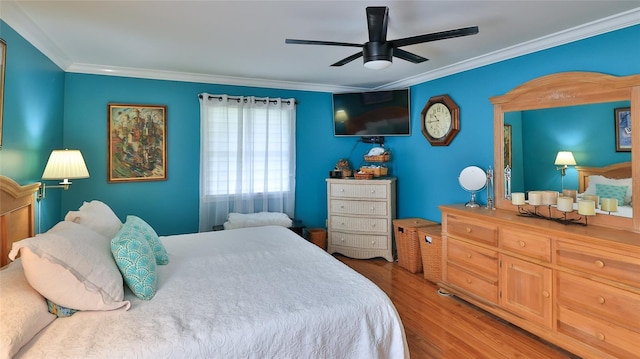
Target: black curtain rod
{"type": "Point", "coordinates": [288, 102]}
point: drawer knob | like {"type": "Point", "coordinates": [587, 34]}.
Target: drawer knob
{"type": "Point", "coordinates": [601, 299]}
{"type": "Point", "coordinates": [341, 189]}
{"type": "Point", "coordinates": [373, 191]}
{"type": "Point", "coordinates": [373, 208]}
{"type": "Point", "coordinates": [468, 281]}
{"type": "Point", "coordinates": [468, 255]}
{"type": "Point", "coordinates": [342, 239]}
{"type": "Point", "coordinates": [599, 263]}
{"type": "Point", "coordinates": [373, 242]}
{"type": "Point", "coordinates": [522, 243]}
{"type": "Point", "coordinates": [373, 225]}
{"type": "Point", "coordinates": [545, 294]}
{"type": "Point", "coordinates": [342, 207]}
{"type": "Point", "coordinates": [468, 229]}
{"type": "Point", "coordinates": [600, 336]}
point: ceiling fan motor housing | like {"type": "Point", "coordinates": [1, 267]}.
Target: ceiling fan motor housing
{"type": "Point", "coordinates": [380, 51]}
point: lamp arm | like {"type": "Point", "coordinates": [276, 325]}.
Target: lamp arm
{"type": "Point", "coordinates": [42, 192]}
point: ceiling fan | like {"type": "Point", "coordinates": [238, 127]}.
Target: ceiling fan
{"type": "Point", "coordinates": [378, 53]}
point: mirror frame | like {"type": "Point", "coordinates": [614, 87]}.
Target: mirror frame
{"type": "Point", "coordinates": [570, 89]}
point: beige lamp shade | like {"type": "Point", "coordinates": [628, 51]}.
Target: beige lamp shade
{"type": "Point", "coordinates": [565, 158]}
{"type": "Point", "coordinates": [65, 164]}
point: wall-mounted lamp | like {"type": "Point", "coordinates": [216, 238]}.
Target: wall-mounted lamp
{"type": "Point", "coordinates": [564, 159]}
{"type": "Point", "coordinates": [63, 165]}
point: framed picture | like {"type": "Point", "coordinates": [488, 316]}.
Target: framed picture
{"type": "Point", "coordinates": [622, 117]}
{"type": "Point", "coordinates": [137, 143]}
{"type": "Point", "coordinates": [3, 57]}
{"type": "Point", "coordinates": [508, 157]}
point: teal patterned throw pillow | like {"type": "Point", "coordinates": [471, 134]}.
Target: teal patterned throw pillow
{"type": "Point", "coordinates": [610, 191]}
{"type": "Point", "coordinates": [152, 238]}
{"type": "Point", "coordinates": [136, 261]}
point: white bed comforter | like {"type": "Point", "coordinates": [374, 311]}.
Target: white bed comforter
{"type": "Point", "coordinates": [258, 292]}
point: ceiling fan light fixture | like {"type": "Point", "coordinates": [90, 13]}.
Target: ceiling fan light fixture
{"type": "Point", "coordinates": [377, 55]}
{"type": "Point", "coordinates": [377, 64]}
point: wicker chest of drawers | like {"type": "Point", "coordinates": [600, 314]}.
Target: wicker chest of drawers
{"type": "Point", "coordinates": [360, 215]}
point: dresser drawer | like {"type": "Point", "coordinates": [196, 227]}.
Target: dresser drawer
{"type": "Point", "coordinates": [359, 224]}
{"type": "Point", "coordinates": [340, 206]}
{"type": "Point", "coordinates": [468, 255]}
{"type": "Point", "coordinates": [616, 340]}
{"type": "Point", "coordinates": [600, 299]}
{"type": "Point", "coordinates": [529, 244]}
{"type": "Point", "coordinates": [471, 282]}
{"type": "Point", "coordinates": [596, 261]}
{"type": "Point", "coordinates": [469, 228]}
{"type": "Point", "coordinates": [358, 240]}
{"type": "Point", "coordinates": [361, 191]}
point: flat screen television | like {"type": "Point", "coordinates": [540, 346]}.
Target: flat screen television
{"type": "Point", "coordinates": [375, 113]}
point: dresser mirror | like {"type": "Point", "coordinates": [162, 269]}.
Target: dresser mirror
{"type": "Point", "coordinates": [566, 91]}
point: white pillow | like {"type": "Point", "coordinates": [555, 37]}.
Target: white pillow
{"type": "Point", "coordinates": [242, 220]}
{"type": "Point", "coordinates": [598, 179]}
{"type": "Point", "coordinates": [23, 310]}
{"type": "Point", "coordinates": [72, 266]}
{"type": "Point", "coordinates": [97, 216]}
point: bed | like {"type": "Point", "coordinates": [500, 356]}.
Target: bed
{"type": "Point", "coordinates": [260, 292]}
{"type": "Point", "coordinates": [616, 175]}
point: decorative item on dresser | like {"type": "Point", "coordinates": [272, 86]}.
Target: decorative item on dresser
{"type": "Point", "coordinates": [360, 215]}
{"type": "Point", "coordinates": [577, 287]}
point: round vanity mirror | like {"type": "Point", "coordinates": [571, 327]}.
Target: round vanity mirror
{"type": "Point", "coordinates": [473, 179]}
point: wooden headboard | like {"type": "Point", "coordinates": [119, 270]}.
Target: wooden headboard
{"type": "Point", "coordinates": [617, 170]}
{"type": "Point", "coordinates": [17, 214]}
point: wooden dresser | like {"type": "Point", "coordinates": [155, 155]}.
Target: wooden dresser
{"type": "Point", "coordinates": [575, 286]}
{"type": "Point", "coordinates": [360, 215]}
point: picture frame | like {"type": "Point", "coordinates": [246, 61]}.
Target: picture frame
{"type": "Point", "coordinates": [137, 143]}
{"type": "Point", "coordinates": [3, 57]}
{"type": "Point", "coordinates": [508, 156]}
{"type": "Point", "coordinates": [622, 118]}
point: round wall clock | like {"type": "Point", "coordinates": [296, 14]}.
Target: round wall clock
{"type": "Point", "coordinates": [440, 120]}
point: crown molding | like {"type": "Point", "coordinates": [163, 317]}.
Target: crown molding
{"type": "Point", "coordinates": [598, 27]}
{"type": "Point", "coordinates": [15, 17]}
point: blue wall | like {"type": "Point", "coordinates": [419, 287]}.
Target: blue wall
{"type": "Point", "coordinates": [427, 176]}
{"type": "Point", "coordinates": [33, 117]}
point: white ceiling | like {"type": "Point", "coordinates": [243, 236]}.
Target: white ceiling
{"type": "Point", "coordinates": [242, 42]}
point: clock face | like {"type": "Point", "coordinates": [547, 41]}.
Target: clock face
{"type": "Point", "coordinates": [437, 120]}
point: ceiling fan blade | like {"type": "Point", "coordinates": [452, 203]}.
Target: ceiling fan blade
{"type": "Point", "coordinates": [347, 60]}
{"type": "Point", "coordinates": [314, 42]}
{"type": "Point", "coordinates": [435, 36]}
{"type": "Point", "coordinates": [377, 19]}
{"type": "Point", "coordinates": [406, 55]}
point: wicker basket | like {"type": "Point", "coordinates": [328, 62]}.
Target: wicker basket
{"type": "Point", "coordinates": [375, 171]}
{"type": "Point", "coordinates": [363, 175]}
{"type": "Point", "coordinates": [431, 248]}
{"type": "Point", "coordinates": [385, 157]}
{"type": "Point", "coordinates": [407, 243]}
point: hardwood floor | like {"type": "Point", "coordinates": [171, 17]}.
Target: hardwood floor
{"type": "Point", "coordinates": [445, 327]}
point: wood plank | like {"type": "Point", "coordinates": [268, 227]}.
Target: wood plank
{"type": "Point", "coordinates": [446, 327]}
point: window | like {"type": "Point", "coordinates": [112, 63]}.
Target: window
{"type": "Point", "coordinates": [247, 156]}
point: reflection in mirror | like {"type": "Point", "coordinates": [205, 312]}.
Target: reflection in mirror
{"type": "Point", "coordinates": [537, 135]}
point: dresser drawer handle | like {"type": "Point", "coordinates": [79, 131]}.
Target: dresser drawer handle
{"type": "Point", "coordinates": [373, 191]}
{"type": "Point", "coordinates": [342, 239]}
{"type": "Point", "coordinates": [601, 299]}
{"type": "Point", "coordinates": [600, 337]}
{"type": "Point", "coordinates": [468, 255]}
{"type": "Point", "coordinates": [373, 208]}
{"type": "Point", "coordinates": [468, 229]}
{"type": "Point", "coordinates": [522, 243]}
{"type": "Point", "coordinates": [545, 294]}
{"type": "Point", "coordinates": [373, 242]}
{"type": "Point", "coordinates": [468, 281]}
{"type": "Point", "coordinates": [599, 263]}
{"type": "Point", "coordinates": [373, 224]}
{"type": "Point", "coordinates": [342, 206]}
{"type": "Point", "coordinates": [341, 189]}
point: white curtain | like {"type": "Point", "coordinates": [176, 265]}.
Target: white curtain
{"type": "Point", "coordinates": [247, 156]}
